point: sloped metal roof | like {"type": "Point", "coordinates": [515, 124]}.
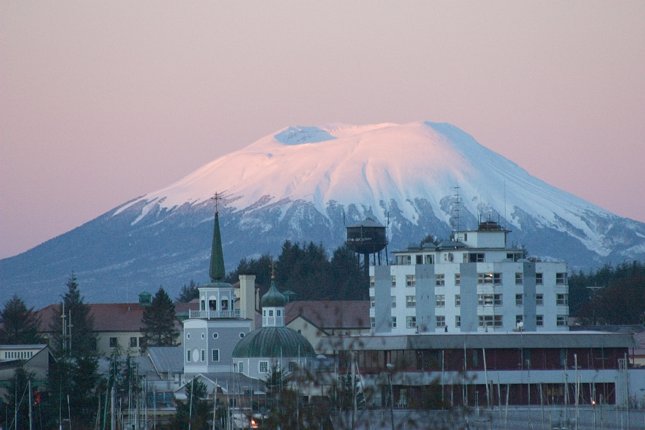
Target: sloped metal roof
{"type": "Point", "coordinates": [273, 342]}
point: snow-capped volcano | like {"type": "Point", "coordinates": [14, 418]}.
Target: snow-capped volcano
{"type": "Point", "coordinates": [373, 165]}
{"type": "Point", "coordinates": [307, 183]}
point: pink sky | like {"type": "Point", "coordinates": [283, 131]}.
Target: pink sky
{"type": "Point", "coordinates": [103, 101]}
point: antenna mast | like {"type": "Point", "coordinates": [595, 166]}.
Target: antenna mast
{"type": "Point", "coordinates": [456, 210]}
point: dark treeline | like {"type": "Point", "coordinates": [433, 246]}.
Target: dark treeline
{"type": "Point", "coordinates": [307, 270]}
{"type": "Point", "coordinates": [619, 298]}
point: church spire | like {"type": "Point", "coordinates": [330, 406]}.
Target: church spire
{"type": "Point", "coordinates": [216, 270]}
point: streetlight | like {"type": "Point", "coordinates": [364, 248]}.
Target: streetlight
{"type": "Point", "coordinates": [390, 368]}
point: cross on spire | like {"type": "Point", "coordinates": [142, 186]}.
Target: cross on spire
{"type": "Point", "coordinates": [216, 198]}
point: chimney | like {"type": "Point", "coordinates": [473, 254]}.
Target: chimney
{"type": "Point", "coordinates": [247, 298]}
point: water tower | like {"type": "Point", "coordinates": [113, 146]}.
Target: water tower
{"type": "Point", "coordinates": [367, 237]}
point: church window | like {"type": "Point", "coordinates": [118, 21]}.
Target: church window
{"type": "Point", "coordinates": [215, 355]}
{"type": "Point", "coordinates": [264, 366]}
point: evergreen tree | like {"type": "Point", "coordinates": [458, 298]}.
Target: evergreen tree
{"type": "Point", "coordinates": [75, 371]}
{"type": "Point", "coordinates": [349, 280]}
{"type": "Point", "coordinates": [188, 292]}
{"type": "Point", "coordinates": [18, 325]}
{"type": "Point", "coordinates": [78, 339]}
{"type": "Point", "coordinates": [261, 268]}
{"type": "Point", "coordinates": [196, 410]}
{"type": "Point", "coordinates": [159, 321]}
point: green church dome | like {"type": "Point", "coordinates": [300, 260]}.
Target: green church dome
{"type": "Point", "coordinates": [273, 342]}
{"type": "Point", "coordinates": [273, 298]}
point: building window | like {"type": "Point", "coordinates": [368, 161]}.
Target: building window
{"type": "Point", "coordinates": [489, 278]}
{"type": "Point", "coordinates": [114, 342]}
{"type": "Point", "coordinates": [457, 320]}
{"type": "Point", "coordinates": [539, 299]}
{"type": "Point", "coordinates": [278, 312]}
{"type": "Point", "coordinates": [440, 279]}
{"type": "Point", "coordinates": [419, 259]}
{"type": "Point", "coordinates": [490, 320]}
{"type": "Point", "coordinates": [440, 300]}
{"type": "Point", "coordinates": [212, 304]}
{"type": "Point", "coordinates": [519, 278]}
{"type": "Point", "coordinates": [519, 299]}
{"type": "Point", "coordinates": [410, 281]}
{"type": "Point", "coordinates": [476, 257]}
{"type": "Point", "coordinates": [393, 301]}
{"type": "Point", "coordinates": [270, 312]}
{"type": "Point", "coordinates": [457, 299]}
{"type": "Point", "coordinates": [264, 366]}
{"type": "Point", "coordinates": [429, 259]}
{"type": "Point", "coordinates": [519, 319]}
{"type": "Point", "coordinates": [133, 342]}
{"type": "Point", "coordinates": [203, 355]}
{"type": "Point", "coordinates": [215, 355]}
{"type": "Point", "coordinates": [539, 320]}
{"type": "Point", "coordinates": [187, 335]}
{"type": "Point", "coordinates": [393, 322]}
{"type": "Point", "coordinates": [489, 299]}
{"type": "Point", "coordinates": [561, 279]}
{"type": "Point", "coordinates": [393, 281]}
{"type": "Point", "coordinates": [561, 299]}
{"type": "Point", "coordinates": [203, 336]}
{"type": "Point", "coordinates": [410, 322]}
{"type": "Point", "coordinates": [539, 279]}
{"type": "Point", "coordinates": [441, 321]}
{"type": "Point", "coordinates": [188, 356]}
{"type": "Point", "coordinates": [242, 334]}
{"type": "Point", "coordinates": [513, 256]}
{"type": "Point", "coordinates": [372, 322]}
{"type": "Point", "coordinates": [372, 302]}
{"type": "Point", "coordinates": [215, 335]}
{"type": "Point", "coordinates": [403, 259]}
{"type": "Point", "coordinates": [410, 301]}
{"type": "Point", "coordinates": [561, 320]}
{"type": "Point", "coordinates": [372, 281]}
{"type": "Point", "coordinates": [457, 279]}
{"type": "Point", "coordinates": [240, 366]}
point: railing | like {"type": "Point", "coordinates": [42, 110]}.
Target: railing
{"type": "Point", "coordinates": [209, 314]}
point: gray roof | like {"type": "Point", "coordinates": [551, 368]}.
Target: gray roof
{"type": "Point", "coordinates": [230, 382]}
{"type": "Point", "coordinates": [166, 358]}
{"type": "Point", "coordinates": [367, 222]}
{"type": "Point", "coordinates": [487, 340]}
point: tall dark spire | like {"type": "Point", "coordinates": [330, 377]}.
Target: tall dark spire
{"type": "Point", "coordinates": [216, 270]}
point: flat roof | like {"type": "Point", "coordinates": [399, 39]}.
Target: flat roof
{"type": "Point", "coordinates": [486, 340]}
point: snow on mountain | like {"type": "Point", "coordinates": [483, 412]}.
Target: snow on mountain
{"type": "Point", "coordinates": [371, 165]}
{"type": "Point", "coordinates": [306, 184]}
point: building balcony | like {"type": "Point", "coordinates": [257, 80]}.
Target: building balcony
{"type": "Point", "coordinates": [209, 314]}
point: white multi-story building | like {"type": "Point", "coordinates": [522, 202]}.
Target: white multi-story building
{"type": "Point", "coordinates": [472, 283]}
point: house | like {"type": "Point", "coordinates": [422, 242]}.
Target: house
{"type": "Point", "coordinates": [318, 320]}
{"type": "Point", "coordinates": [34, 359]}
{"type": "Point", "coordinates": [117, 325]}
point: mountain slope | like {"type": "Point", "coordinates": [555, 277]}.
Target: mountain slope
{"type": "Point", "coordinates": [305, 183]}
